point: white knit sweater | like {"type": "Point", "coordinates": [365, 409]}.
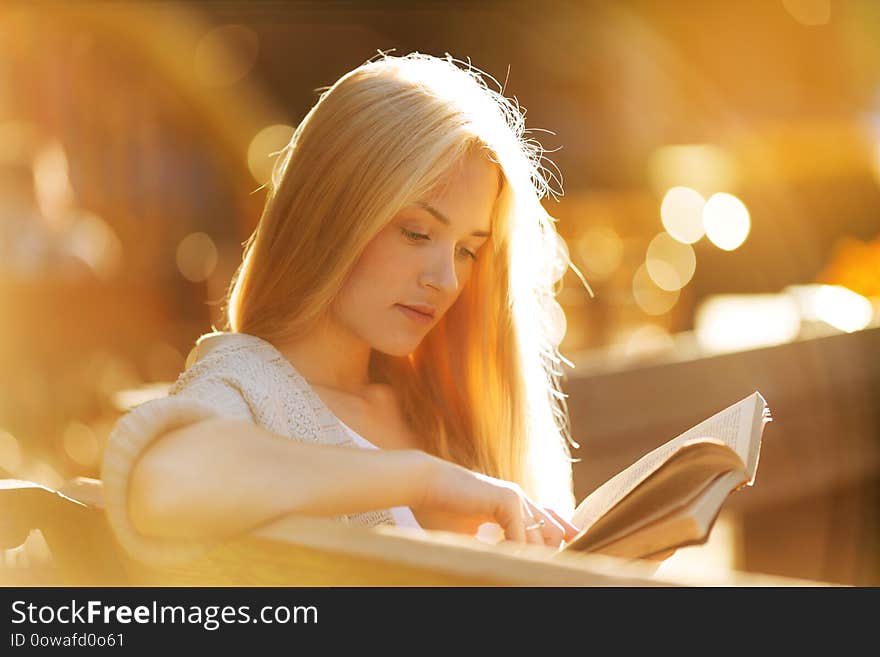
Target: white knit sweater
{"type": "Point", "coordinates": [234, 375]}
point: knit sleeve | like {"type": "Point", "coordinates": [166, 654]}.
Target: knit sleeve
{"type": "Point", "coordinates": [133, 433]}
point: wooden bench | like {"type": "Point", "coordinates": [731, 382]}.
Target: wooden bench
{"type": "Point", "coordinates": [301, 551]}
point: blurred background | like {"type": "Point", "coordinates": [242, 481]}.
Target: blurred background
{"type": "Point", "coordinates": [721, 172]}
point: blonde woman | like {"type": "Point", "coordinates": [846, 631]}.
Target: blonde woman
{"type": "Point", "coordinates": [391, 348]}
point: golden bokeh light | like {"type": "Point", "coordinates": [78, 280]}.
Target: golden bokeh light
{"type": "Point", "coordinates": [81, 444]}
{"type": "Point", "coordinates": [705, 168]}
{"type": "Point", "coordinates": [843, 309]}
{"type": "Point", "coordinates": [52, 184]}
{"type": "Point", "coordinates": [835, 305]}
{"type": "Point", "coordinates": [670, 263]}
{"type": "Point", "coordinates": [557, 265]}
{"type": "Point", "coordinates": [651, 299]}
{"type": "Point", "coordinates": [264, 148]}
{"type": "Point", "coordinates": [726, 220]}
{"type": "Point", "coordinates": [225, 55]}
{"type": "Point", "coordinates": [10, 452]}
{"type": "Point", "coordinates": [726, 323]}
{"type": "Point", "coordinates": [682, 214]}
{"type": "Point", "coordinates": [600, 250]}
{"type": "Point", "coordinates": [647, 340]}
{"type": "Point", "coordinates": [196, 257]}
{"type": "Point", "coordinates": [558, 322]}
{"type": "Point", "coordinates": [94, 242]}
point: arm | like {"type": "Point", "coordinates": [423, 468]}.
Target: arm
{"type": "Point", "coordinates": [215, 477]}
{"type": "Point", "coordinates": [219, 477]}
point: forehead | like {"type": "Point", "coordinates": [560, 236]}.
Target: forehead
{"type": "Point", "coordinates": [466, 194]}
{"type": "Point", "coordinates": [472, 169]}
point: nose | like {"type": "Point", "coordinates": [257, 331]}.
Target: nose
{"type": "Point", "coordinates": [440, 273]}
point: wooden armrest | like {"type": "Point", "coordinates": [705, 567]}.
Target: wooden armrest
{"type": "Point", "coordinates": [71, 520]}
{"type": "Point", "coordinates": [28, 505]}
{"type": "Point", "coordinates": [303, 551]}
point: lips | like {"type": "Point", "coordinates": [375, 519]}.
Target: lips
{"type": "Point", "coordinates": [428, 311]}
{"type": "Point", "coordinates": [415, 315]}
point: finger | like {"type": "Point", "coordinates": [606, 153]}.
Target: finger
{"type": "Point", "coordinates": [546, 531]}
{"type": "Point", "coordinates": [534, 535]}
{"type": "Point", "coordinates": [570, 531]}
{"type": "Point", "coordinates": [533, 523]}
{"type": "Point", "coordinates": [510, 516]}
{"type": "Point", "coordinates": [552, 531]}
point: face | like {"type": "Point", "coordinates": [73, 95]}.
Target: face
{"type": "Point", "coordinates": [412, 272]}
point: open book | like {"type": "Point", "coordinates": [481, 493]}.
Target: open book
{"type": "Point", "coordinates": [671, 496]}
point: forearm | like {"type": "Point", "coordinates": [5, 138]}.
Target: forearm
{"type": "Point", "coordinates": [221, 477]}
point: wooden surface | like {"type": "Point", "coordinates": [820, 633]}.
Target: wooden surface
{"type": "Point", "coordinates": [300, 551]}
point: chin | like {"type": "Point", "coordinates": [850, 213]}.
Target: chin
{"type": "Point", "coordinates": [397, 343]}
{"type": "Point", "coordinates": [399, 349]}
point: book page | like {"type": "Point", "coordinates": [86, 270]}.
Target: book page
{"type": "Point", "coordinates": [687, 526]}
{"type": "Point", "coordinates": [733, 426]}
{"type": "Point", "coordinates": [685, 476]}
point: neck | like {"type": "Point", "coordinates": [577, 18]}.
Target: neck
{"type": "Point", "coordinates": [331, 357]}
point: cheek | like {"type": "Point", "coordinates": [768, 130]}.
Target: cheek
{"type": "Point", "coordinates": [378, 271]}
{"type": "Point", "coordinates": [377, 264]}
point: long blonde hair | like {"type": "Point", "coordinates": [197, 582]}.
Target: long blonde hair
{"type": "Point", "coordinates": [482, 389]}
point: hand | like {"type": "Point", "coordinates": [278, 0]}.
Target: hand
{"type": "Point", "coordinates": [449, 490]}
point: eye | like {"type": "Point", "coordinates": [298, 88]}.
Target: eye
{"type": "Point", "coordinates": [415, 237]}
{"type": "Point", "coordinates": [470, 254]}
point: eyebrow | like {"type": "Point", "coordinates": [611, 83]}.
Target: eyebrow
{"type": "Point", "coordinates": [442, 218]}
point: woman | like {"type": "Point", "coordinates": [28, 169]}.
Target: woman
{"type": "Point", "coordinates": [398, 293]}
